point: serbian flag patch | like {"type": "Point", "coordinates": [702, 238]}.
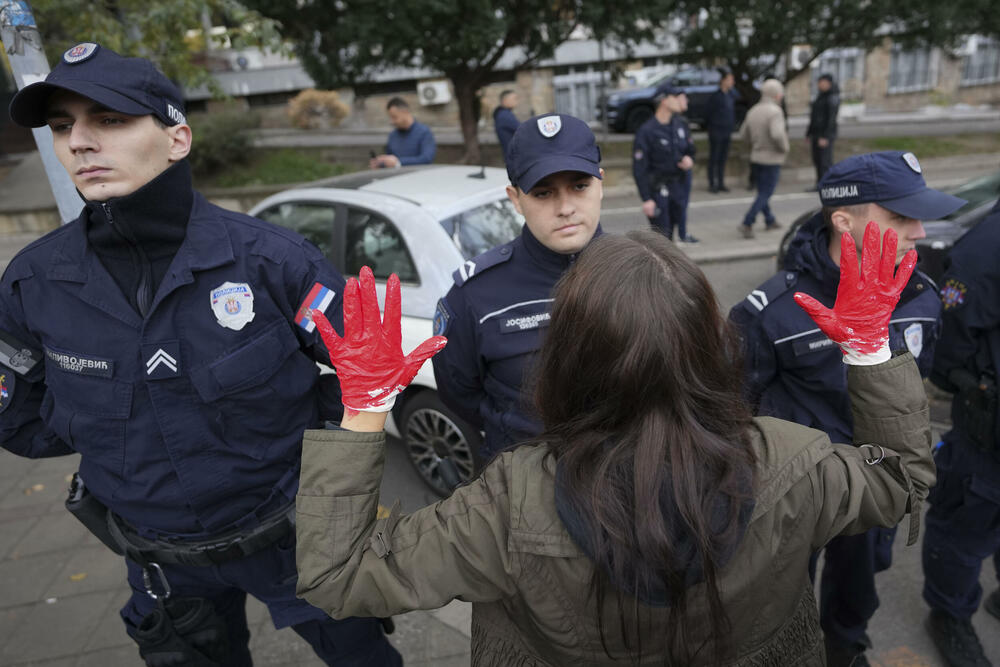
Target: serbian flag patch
{"type": "Point", "coordinates": [319, 297]}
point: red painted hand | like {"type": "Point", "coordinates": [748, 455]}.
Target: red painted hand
{"type": "Point", "coordinates": [369, 358]}
{"type": "Point", "coordinates": [859, 321]}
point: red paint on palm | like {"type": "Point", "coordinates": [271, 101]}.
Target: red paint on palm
{"type": "Point", "coordinates": [860, 316]}
{"type": "Point", "coordinates": [369, 358]}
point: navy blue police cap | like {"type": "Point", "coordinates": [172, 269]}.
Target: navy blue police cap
{"type": "Point", "coordinates": [891, 179]}
{"type": "Point", "coordinates": [667, 88]}
{"type": "Point", "coordinates": [131, 86]}
{"type": "Point", "coordinates": [551, 143]}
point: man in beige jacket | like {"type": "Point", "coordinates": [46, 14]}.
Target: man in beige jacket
{"type": "Point", "coordinates": [764, 128]}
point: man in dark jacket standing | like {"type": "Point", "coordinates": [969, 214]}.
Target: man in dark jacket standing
{"type": "Point", "coordinates": [720, 120]}
{"type": "Point", "coordinates": [504, 120]}
{"type": "Point", "coordinates": [794, 372]}
{"type": "Point", "coordinates": [822, 128]}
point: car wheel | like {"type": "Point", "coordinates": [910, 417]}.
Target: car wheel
{"type": "Point", "coordinates": [786, 240]}
{"type": "Point", "coordinates": [431, 432]}
{"type": "Point", "coordinates": [636, 117]}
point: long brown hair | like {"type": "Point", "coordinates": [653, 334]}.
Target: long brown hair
{"type": "Point", "coordinates": [639, 392]}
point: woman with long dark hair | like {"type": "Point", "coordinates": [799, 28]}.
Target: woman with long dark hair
{"type": "Point", "coordinates": [654, 521]}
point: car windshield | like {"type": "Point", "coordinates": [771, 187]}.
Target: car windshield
{"type": "Point", "coordinates": [477, 230]}
{"type": "Point", "coordinates": [977, 192]}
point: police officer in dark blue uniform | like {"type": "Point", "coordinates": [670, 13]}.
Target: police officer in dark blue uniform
{"type": "Point", "coordinates": [720, 121]}
{"type": "Point", "coordinates": [963, 522]}
{"type": "Point", "coordinates": [662, 160]}
{"type": "Point", "coordinates": [170, 343]}
{"type": "Point", "coordinates": [494, 314]}
{"type": "Point", "coordinates": [793, 371]}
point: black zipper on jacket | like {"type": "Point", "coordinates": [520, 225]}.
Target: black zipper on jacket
{"type": "Point", "coordinates": [143, 292]}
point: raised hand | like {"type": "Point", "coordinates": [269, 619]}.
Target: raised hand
{"type": "Point", "coordinates": [859, 320]}
{"type": "Point", "coordinates": [369, 358]}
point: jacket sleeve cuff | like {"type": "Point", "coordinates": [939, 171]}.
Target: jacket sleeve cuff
{"type": "Point", "coordinates": [357, 458]}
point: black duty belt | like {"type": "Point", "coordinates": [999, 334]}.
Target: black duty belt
{"type": "Point", "coordinates": [123, 539]}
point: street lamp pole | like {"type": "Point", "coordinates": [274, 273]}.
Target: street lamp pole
{"type": "Point", "coordinates": [23, 44]}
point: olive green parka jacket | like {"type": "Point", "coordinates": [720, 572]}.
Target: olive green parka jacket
{"type": "Point", "coordinates": [498, 542]}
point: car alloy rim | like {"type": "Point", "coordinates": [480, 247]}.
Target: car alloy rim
{"type": "Point", "coordinates": [430, 436]}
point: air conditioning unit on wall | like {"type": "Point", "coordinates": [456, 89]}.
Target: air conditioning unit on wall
{"type": "Point", "coordinates": [433, 92]}
{"type": "Point", "coordinates": [798, 56]}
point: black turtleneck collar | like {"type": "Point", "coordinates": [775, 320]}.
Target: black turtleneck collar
{"type": "Point", "coordinates": [545, 257]}
{"type": "Point", "coordinates": [154, 217]}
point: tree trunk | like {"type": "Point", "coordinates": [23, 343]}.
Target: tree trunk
{"type": "Point", "coordinates": [465, 95]}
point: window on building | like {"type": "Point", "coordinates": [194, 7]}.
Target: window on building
{"type": "Point", "coordinates": [912, 70]}
{"type": "Point", "coordinates": [848, 69]}
{"type": "Point", "coordinates": [982, 63]}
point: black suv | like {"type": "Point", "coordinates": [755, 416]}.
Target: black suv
{"type": "Point", "coordinates": [628, 109]}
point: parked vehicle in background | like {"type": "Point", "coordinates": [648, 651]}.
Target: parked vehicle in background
{"type": "Point", "coordinates": [420, 223]}
{"type": "Point", "coordinates": [629, 108]}
{"type": "Point", "coordinates": [981, 194]}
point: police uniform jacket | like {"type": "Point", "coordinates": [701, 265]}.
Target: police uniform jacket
{"type": "Point", "coordinates": [970, 325]}
{"type": "Point", "coordinates": [720, 114]}
{"type": "Point", "coordinates": [493, 317]}
{"type": "Point", "coordinates": [499, 543]}
{"type": "Point", "coordinates": [188, 418]}
{"type": "Point", "coordinates": [793, 371]}
{"type": "Point", "coordinates": [657, 149]}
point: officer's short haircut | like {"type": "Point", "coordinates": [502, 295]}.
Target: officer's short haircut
{"type": "Point", "coordinates": [505, 93]}
{"type": "Point", "coordinates": [398, 103]}
{"type": "Point", "coordinates": [855, 211]}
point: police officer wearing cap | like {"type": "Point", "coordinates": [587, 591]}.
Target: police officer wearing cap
{"type": "Point", "coordinates": [662, 160]}
{"type": "Point", "coordinates": [499, 305]}
{"type": "Point", "coordinates": [962, 526]}
{"type": "Point", "coordinates": [170, 343]}
{"type": "Point", "coordinates": [793, 371]}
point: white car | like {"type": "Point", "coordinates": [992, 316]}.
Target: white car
{"type": "Point", "coordinates": [420, 223]}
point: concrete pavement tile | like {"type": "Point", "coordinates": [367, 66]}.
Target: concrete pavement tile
{"type": "Point", "coordinates": [25, 580]}
{"type": "Point", "coordinates": [58, 662]}
{"type": "Point", "coordinates": [88, 570]}
{"type": "Point", "coordinates": [11, 532]}
{"type": "Point", "coordinates": [456, 661]}
{"type": "Point", "coordinates": [122, 656]}
{"type": "Point", "coordinates": [271, 647]}
{"type": "Point", "coordinates": [12, 465]}
{"type": "Point", "coordinates": [56, 630]}
{"type": "Point", "coordinates": [420, 636]}
{"type": "Point", "coordinates": [52, 533]}
{"type": "Point", "coordinates": [110, 631]}
{"type": "Point", "coordinates": [10, 621]}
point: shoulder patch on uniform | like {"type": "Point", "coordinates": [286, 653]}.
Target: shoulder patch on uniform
{"type": "Point", "coordinates": [474, 267]}
{"type": "Point", "coordinates": [763, 296]}
{"type": "Point", "coordinates": [953, 293]}
{"type": "Point", "coordinates": [442, 318]}
{"type": "Point", "coordinates": [7, 381]}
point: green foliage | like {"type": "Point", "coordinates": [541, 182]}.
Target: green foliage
{"type": "Point", "coordinates": [221, 139]}
{"type": "Point", "coordinates": [278, 167]}
{"type": "Point", "coordinates": [169, 32]}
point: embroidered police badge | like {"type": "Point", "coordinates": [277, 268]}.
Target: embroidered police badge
{"type": "Point", "coordinates": [914, 337]}
{"type": "Point", "coordinates": [549, 126]}
{"type": "Point", "coordinates": [232, 304]}
{"type": "Point", "coordinates": [953, 293]}
{"type": "Point", "coordinates": [80, 52]}
{"type": "Point", "coordinates": [911, 162]}
{"type": "Point", "coordinates": [442, 316]}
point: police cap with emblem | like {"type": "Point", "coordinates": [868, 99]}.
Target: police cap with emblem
{"type": "Point", "coordinates": [891, 179]}
{"type": "Point", "coordinates": [551, 143]}
{"type": "Point", "coordinates": [667, 89]}
{"type": "Point", "coordinates": [131, 86]}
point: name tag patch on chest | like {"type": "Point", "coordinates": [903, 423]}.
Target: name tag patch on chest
{"type": "Point", "coordinates": [163, 359]}
{"type": "Point", "coordinates": [516, 323]}
{"type": "Point", "coordinates": [81, 364]}
{"type": "Point", "coordinates": [232, 304]}
{"type": "Point", "coordinates": [811, 345]}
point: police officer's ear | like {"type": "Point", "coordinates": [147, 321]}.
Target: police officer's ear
{"type": "Point", "coordinates": [600, 183]}
{"type": "Point", "coordinates": [842, 221]}
{"type": "Point", "coordinates": [180, 141]}
{"type": "Point", "coordinates": [513, 194]}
